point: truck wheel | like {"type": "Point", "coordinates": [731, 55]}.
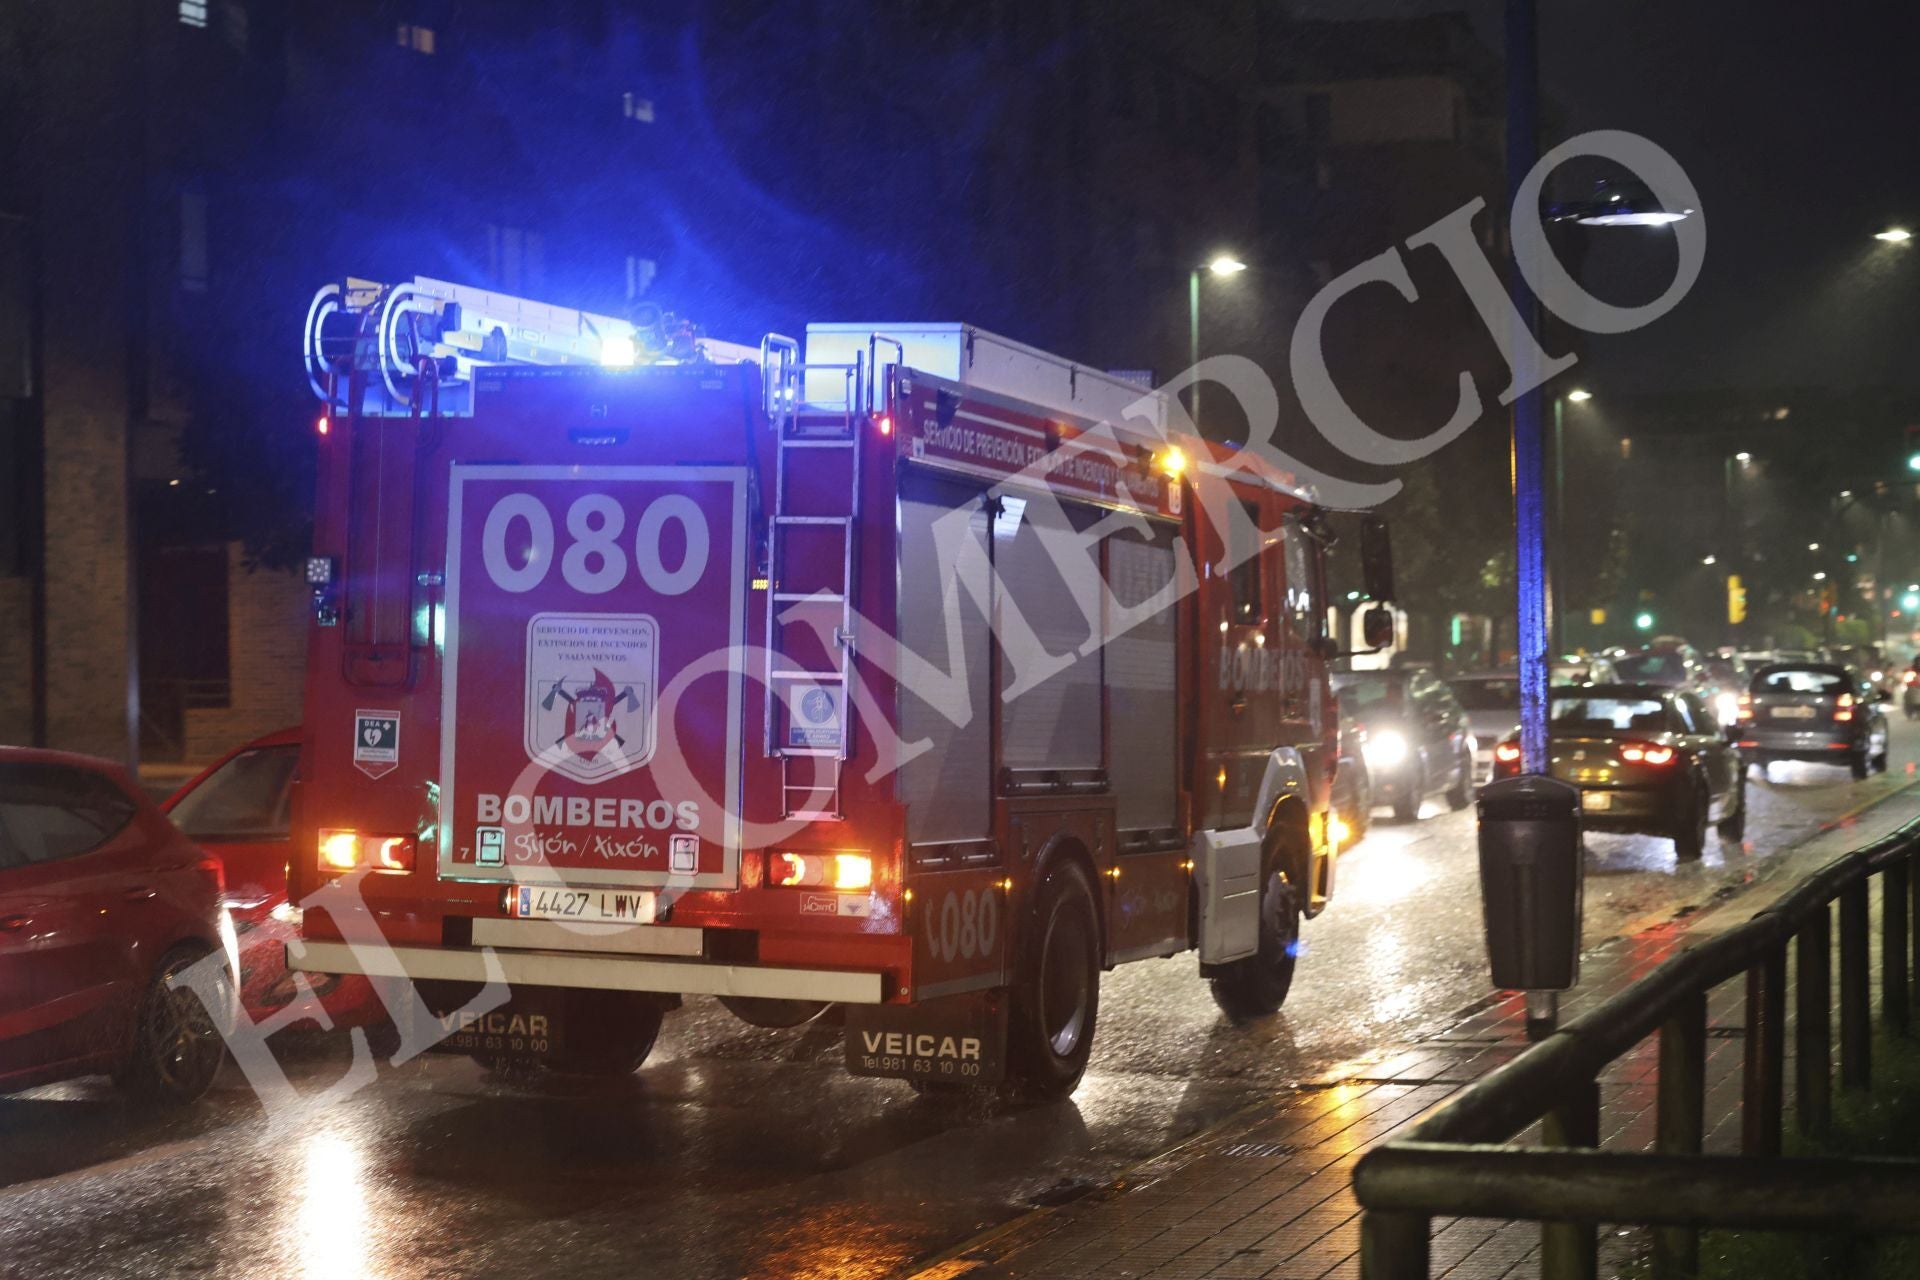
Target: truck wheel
{"type": "Point", "coordinates": [1257, 985]}
{"type": "Point", "coordinates": [607, 1034]}
{"type": "Point", "coordinates": [1056, 995]}
{"type": "Point", "coordinates": [177, 1047]}
{"type": "Point", "coordinates": [1690, 829]}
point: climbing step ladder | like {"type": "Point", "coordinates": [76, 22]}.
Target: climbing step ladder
{"type": "Point", "coordinates": [808, 708]}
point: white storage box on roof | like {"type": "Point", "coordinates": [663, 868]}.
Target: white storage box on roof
{"type": "Point", "coordinates": [986, 362]}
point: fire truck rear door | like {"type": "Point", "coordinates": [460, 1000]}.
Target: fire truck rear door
{"type": "Point", "coordinates": [591, 678]}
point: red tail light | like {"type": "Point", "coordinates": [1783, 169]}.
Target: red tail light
{"type": "Point", "coordinates": [1507, 752]}
{"type": "Point", "coordinates": [1910, 677]}
{"type": "Point", "coordinates": [1646, 753]}
{"type": "Point", "coordinates": [1843, 708]}
{"type": "Point", "coordinates": [1746, 707]}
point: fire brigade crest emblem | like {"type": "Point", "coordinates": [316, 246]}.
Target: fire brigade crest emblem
{"type": "Point", "coordinates": [590, 693]}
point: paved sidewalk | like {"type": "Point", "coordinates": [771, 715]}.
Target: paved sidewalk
{"type": "Point", "coordinates": [1269, 1192]}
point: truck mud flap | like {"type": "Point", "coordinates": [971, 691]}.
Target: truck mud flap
{"type": "Point", "coordinates": [954, 1040]}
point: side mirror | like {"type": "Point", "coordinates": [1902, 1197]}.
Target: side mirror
{"type": "Point", "coordinates": [1376, 627]}
{"type": "Point", "coordinates": [1376, 558]}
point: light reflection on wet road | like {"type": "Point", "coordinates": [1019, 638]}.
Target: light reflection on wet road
{"type": "Point", "coordinates": [738, 1151]}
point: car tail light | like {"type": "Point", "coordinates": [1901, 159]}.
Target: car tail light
{"type": "Point", "coordinates": [342, 851]}
{"type": "Point", "coordinates": [1745, 711]}
{"type": "Point", "coordinates": [1843, 708]}
{"type": "Point", "coordinates": [844, 871]}
{"type": "Point", "coordinates": [1910, 677]}
{"type": "Point", "coordinates": [1507, 752]}
{"type": "Point", "coordinates": [1646, 753]}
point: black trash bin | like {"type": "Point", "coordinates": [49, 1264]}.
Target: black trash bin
{"type": "Point", "coordinates": [1530, 881]}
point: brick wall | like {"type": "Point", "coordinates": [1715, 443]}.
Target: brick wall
{"type": "Point", "coordinates": [16, 658]}
{"type": "Point", "coordinates": [267, 653]}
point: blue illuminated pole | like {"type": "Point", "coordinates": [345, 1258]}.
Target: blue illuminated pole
{"type": "Point", "coordinates": [1529, 488]}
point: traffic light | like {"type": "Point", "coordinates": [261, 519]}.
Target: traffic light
{"type": "Point", "coordinates": [1643, 621]}
{"type": "Point", "coordinates": [1736, 599]}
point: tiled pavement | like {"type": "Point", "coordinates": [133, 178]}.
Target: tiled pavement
{"type": "Point", "coordinates": [1269, 1194]}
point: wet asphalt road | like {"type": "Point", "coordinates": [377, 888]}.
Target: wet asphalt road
{"type": "Point", "coordinates": [740, 1152]}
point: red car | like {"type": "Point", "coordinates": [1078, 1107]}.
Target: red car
{"type": "Point", "coordinates": [102, 901]}
{"type": "Point", "coordinates": [237, 810]}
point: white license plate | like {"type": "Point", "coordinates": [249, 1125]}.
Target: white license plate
{"type": "Point", "coordinates": [1791, 713]}
{"type": "Point", "coordinates": [600, 906]}
{"type": "Point", "coordinates": [1596, 801]}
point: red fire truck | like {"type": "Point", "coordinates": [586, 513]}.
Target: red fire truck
{"type": "Point", "coordinates": [912, 678]}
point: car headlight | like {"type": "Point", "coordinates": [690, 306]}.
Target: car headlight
{"type": "Point", "coordinates": [1387, 747]}
{"type": "Point", "coordinates": [1728, 705]}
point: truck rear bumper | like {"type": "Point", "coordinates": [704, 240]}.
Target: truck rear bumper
{"type": "Point", "coordinates": [588, 972]}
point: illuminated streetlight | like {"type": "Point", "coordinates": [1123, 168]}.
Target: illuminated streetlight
{"type": "Point", "coordinates": [1710, 560]}
{"type": "Point", "coordinates": [1743, 456]}
{"type": "Point", "coordinates": [1223, 264]}
{"type": "Point", "coordinates": [1643, 622]}
{"type": "Point", "coordinates": [1579, 396]}
{"type": "Point", "coordinates": [1813, 546]}
{"type": "Point", "coordinates": [1820, 577]}
{"type": "Point", "coordinates": [1894, 235]}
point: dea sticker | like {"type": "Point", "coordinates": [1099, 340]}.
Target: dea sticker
{"type": "Point", "coordinates": [376, 742]}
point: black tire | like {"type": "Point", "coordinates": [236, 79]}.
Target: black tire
{"type": "Point", "coordinates": [609, 1033]}
{"type": "Point", "coordinates": [1690, 832]}
{"type": "Point", "coordinates": [1460, 794]}
{"type": "Point", "coordinates": [1734, 825]}
{"type": "Point", "coordinates": [1056, 994]}
{"type": "Point", "coordinates": [1880, 763]}
{"type": "Point", "coordinates": [1406, 804]}
{"type": "Point", "coordinates": [177, 1043]}
{"type": "Point", "coordinates": [1857, 764]}
{"type": "Point", "coordinates": [1256, 986]}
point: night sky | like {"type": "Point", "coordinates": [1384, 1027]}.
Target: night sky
{"type": "Point", "coordinates": [1800, 125]}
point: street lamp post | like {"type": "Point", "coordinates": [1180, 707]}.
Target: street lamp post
{"type": "Point", "coordinates": [1222, 264]}
{"type": "Point", "coordinates": [1557, 568]}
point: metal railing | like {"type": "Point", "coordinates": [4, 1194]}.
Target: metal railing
{"type": "Point", "coordinates": [1455, 1162]}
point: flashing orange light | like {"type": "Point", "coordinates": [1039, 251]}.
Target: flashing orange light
{"type": "Point", "coordinates": [886, 424]}
{"type": "Point", "coordinates": [324, 424]}
{"type": "Point", "coordinates": [852, 871]}
{"type": "Point", "coordinates": [1338, 833]}
{"type": "Point", "coordinates": [340, 850]}
{"type": "Point", "coordinates": [1173, 461]}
